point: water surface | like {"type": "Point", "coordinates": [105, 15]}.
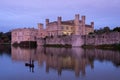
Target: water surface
{"type": "Point", "coordinates": [58, 64]}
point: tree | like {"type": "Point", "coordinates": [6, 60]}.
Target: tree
{"type": "Point", "coordinates": [5, 37]}
{"type": "Point", "coordinates": [1, 33]}
{"type": "Point", "coordinates": [102, 30]}
{"type": "Point", "coordinates": [116, 29]}
{"type": "Point", "coordinates": [106, 29]}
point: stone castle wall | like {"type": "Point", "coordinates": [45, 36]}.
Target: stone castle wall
{"type": "Point", "coordinates": [78, 40]}
{"type": "Point", "coordinates": [106, 38]}
{"type": "Point", "coordinates": [75, 40]}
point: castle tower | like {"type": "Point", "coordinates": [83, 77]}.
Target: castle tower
{"type": "Point", "coordinates": [59, 20]}
{"type": "Point", "coordinates": [40, 29]}
{"type": "Point", "coordinates": [92, 25]}
{"type": "Point", "coordinates": [76, 19]}
{"type": "Point", "coordinates": [83, 20]}
{"type": "Point", "coordinates": [47, 21]}
{"type": "Point", "coordinates": [83, 25]}
{"type": "Point", "coordinates": [40, 26]}
{"type": "Point", "coordinates": [76, 22]}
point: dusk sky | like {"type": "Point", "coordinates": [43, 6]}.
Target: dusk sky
{"type": "Point", "coordinates": [27, 13]}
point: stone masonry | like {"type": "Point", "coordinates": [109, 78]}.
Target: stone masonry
{"type": "Point", "coordinates": [106, 38]}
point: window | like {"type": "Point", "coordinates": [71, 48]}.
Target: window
{"type": "Point", "coordinates": [41, 34]}
{"type": "Point", "coordinates": [62, 27]}
{"type": "Point", "coordinates": [34, 38]}
{"type": "Point", "coordinates": [67, 27]}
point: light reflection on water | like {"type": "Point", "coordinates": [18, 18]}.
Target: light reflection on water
{"type": "Point", "coordinates": [58, 64]}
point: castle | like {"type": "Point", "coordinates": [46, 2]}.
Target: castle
{"type": "Point", "coordinates": [56, 28]}
{"type": "Point", "coordinates": [70, 27]}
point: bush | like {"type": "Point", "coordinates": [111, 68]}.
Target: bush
{"type": "Point", "coordinates": [27, 44]}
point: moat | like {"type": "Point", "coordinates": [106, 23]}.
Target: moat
{"type": "Point", "coordinates": [58, 64]}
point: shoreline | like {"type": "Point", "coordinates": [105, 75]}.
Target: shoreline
{"type": "Point", "coordinates": [104, 46]}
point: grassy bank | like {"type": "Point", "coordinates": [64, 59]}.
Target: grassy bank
{"type": "Point", "coordinates": [26, 44]}
{"type": "Point", "coordinates": [5, 43]}
{"type": "Point", "coordinates": [58, 45]}
{"type": "Point", "coordinates": [104, 46]}
{"type": "Point", "coordinates": [110, 46]}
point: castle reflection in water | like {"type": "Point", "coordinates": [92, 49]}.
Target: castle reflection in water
{"type": "Point", "coordinates": [59, 59]}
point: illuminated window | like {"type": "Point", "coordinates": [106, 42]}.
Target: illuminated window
{"type": "Point", "coordinates": [64, 32]}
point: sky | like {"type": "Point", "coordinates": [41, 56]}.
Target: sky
{"type": "Point", "coordinates": [27, 13]}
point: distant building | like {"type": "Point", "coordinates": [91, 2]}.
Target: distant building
{"type": "Point", "coordinates": [25, 34]}
{"type": "Point", "coordinates": [70, 27]}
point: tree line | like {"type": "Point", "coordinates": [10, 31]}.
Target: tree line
{"type": "Point", "coordinates": [5, 37]}
{"type": "Point", "coordinates": [105, 30]}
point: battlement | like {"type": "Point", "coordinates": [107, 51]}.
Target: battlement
{"type": "Point", "coordinates": [21, 29]}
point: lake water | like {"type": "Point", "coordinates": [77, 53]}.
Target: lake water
{"type": "Point", "coordinates": [58, 64]}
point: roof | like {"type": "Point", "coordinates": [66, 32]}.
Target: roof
{"type": "Point", "coordinates": [89, 26]}
{"type": "Point", "coordinates": [51, 23]}
{"type": "Point", "coordinates": [68, 22]}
